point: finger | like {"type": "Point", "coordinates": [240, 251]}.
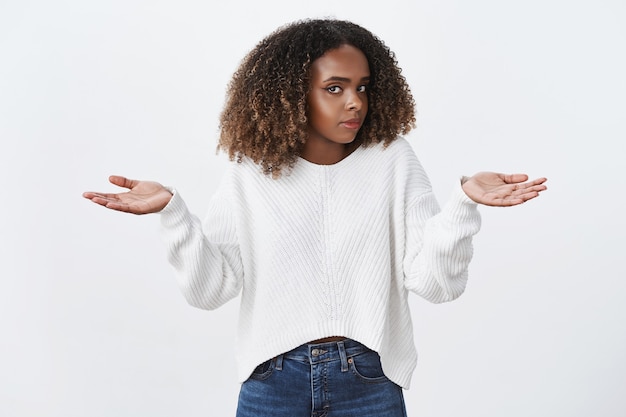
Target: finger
{"type": "Point", "coordinates": [506, 202]}
{"type": "Point", "coordinates": [533, 183]}
{"type": "Point", "coordinates": [518, 195]}
{"type": "Point", "coordinates": [113, 204]}
{"type": "Point", "coordinates": [515, 178]}
{"type": "Point", "coordinates": [137, 209]}
{"type": "Point", "coordinates": [91, 194]}
{"type": "Point", "coordinates": [516, 198]}
{"type": "Point", "coordinates": [524, 190]}
{"type": "Point", "coordinates": [121, 181]}
{"type": "Point", "coordinates": [100, 200]}
{"type": "Point", "coordinates": [538, 188]}
{"type": "Point", "coordinates": [108, 196]}
{"type": "Point", "coordinates": [529, 196]}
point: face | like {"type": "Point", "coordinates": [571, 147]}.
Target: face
{"type": "Point", "coordinates": [337, 99]}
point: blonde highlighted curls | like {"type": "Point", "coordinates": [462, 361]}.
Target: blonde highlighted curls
{"type": "Point", "coordinates": [265, 115]}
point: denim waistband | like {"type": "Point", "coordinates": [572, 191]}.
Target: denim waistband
{"type": "Point", "coordinates": [325, 352]}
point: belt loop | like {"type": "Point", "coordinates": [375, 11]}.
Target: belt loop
{"type": "Point", "coordinates": [279, 362]}
{"type": "Point", "coordinates": [342, 355]}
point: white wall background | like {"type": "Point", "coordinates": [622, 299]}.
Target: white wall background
{"type": "Point", "coordinates": [91, 322]}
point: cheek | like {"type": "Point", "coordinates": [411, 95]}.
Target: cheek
{"type": "Point", "coordinates": [312, 107]}
{"type": "Point", "coordinates": [320, 109]}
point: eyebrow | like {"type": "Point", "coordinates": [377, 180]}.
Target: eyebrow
{"type": "Point", "coordinates": [344, 79]}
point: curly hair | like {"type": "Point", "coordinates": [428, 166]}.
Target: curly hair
{"type": "Point", "coordinates": [265, 114]}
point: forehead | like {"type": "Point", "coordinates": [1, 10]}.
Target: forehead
{"type": "Point", "coordinates": [344, 61]}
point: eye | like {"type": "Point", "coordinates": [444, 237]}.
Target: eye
{"type": "Point", "coordinates": [362, 88]}
{"type": "Point", "coordinates": [333, 89]}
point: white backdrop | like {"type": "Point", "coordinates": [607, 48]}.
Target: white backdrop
{"type": "Point", "coordinates": [91, 322]}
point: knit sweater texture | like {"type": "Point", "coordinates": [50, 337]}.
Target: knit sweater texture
{"type": "Point", "coordinates": [324, 250]}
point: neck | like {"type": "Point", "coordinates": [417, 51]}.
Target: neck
{"type": "Point", "coordinates": [326, 154]}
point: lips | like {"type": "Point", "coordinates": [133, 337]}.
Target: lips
{"type": "Point", "coordinates": [352, 123]}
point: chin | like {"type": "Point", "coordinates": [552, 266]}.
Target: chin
{"type": "Point", "coordinates": [347, 141]}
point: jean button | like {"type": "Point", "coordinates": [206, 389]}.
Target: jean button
{"type": "Point", "coordinates": [315, 352]}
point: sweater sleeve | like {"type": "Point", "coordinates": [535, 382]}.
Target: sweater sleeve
{"type": "Point", "coordinates": [439, 245]}
{"type": "Point", "coordinates": [206, 258]}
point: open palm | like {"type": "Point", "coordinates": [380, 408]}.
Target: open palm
{"type": "Point", "coordinates": [143, 197]}
{"type": "Point", "coordinates": [502, 190]}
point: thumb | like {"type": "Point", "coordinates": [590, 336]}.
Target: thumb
{"type": "Point", "coordinates": [515, 178]}
{"type": "Point", "coordinates": [122, 181]}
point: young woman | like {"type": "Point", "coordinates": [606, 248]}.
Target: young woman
{"type": "Point", "coordinates": [323, 223]}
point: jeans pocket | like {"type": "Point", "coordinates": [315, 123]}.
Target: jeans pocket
{"type": "Point", "coordinates": [264, 370]}
{"type": "Point", "coordinates": [367, 367]}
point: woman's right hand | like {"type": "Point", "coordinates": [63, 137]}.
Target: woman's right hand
{"type": "Point", "coordinates": [143, 197]}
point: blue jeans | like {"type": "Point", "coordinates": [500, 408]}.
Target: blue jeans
{"type": "Point", "coordinates": [336, 379]}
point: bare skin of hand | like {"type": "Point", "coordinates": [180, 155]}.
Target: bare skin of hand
{"type": "Point", "coordinates": [502, 190]}
{"type": "Point", "coordinates": [143, 197]}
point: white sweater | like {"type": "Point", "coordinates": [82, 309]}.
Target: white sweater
{"type": "Point", "coordinates": [325, 250]}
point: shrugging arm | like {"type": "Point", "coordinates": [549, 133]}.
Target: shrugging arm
{"type": "Point", "coordinates": [207, 261]}
{"type": "Point", "coordinates": [439, 245]}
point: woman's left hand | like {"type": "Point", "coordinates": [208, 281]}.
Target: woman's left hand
{"type": "Point", "coordinates": [502, 190]}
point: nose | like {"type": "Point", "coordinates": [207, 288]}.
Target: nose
{"type": "Point", "coordinates": [354, 102]}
